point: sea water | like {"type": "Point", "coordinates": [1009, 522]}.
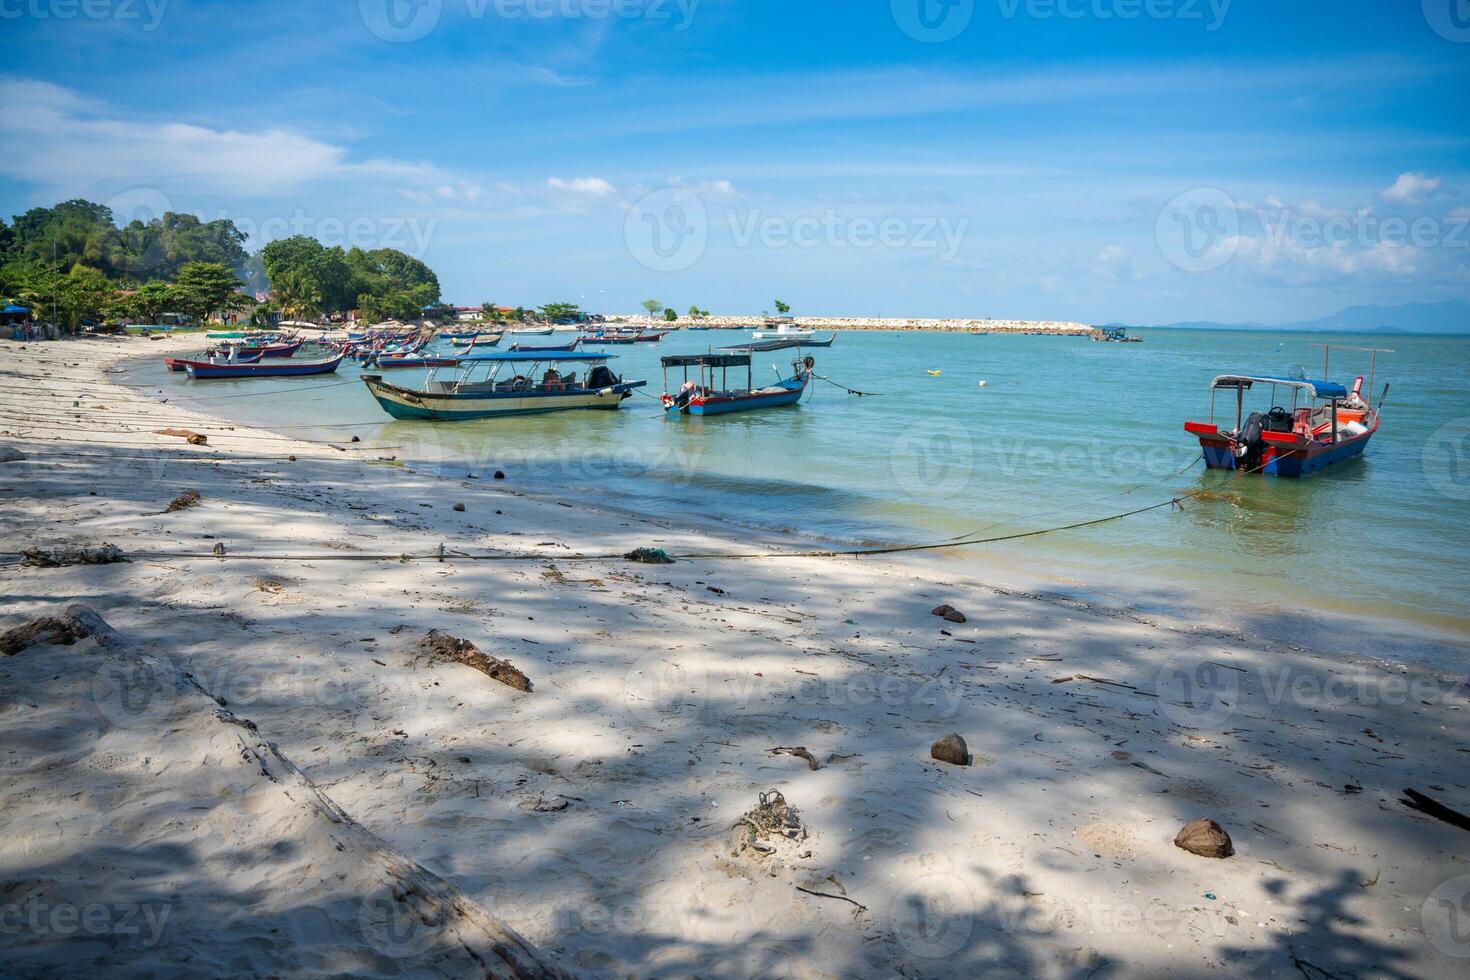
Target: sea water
{"type": "Point", "coordinates": [1014, 433]}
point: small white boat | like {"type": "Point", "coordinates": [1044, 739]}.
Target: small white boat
{"type": "Point", "coordinates": [532, 332]}
{"type": "Point", "coordinates": [779, 330]}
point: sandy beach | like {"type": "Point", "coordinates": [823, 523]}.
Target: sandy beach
{"type": "Point", "coordinates": [257, 769]}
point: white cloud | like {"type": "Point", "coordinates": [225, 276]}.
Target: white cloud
{"type": "Point", "coordinates": [591, 186]}
{"type": "Point", "coordinates": [74, 145]}
{"type": "Point", "coordinates": [1411, 187]}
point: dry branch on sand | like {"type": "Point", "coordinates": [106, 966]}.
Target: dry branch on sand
{"type": "Point", "coordinates": [103, 554]}
{"type": "Point", "coordinates": [188, 435]}
{"type": "Point", "coordinates": [442, 647]}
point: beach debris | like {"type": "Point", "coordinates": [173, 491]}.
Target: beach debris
{"type": "Point", "coordinates": [948, 613]}
{"type": "Point", "coordinates": [935, 374]}
{"type": "Point", "coordinates": [458, 507]}
{"type": "Point", "coordinates": [951, 748]}
{"type": "Point", "coordinates": [356, 439]}
{"type": "Point", "coordinates": [56, 631]}
{"type": "Point", "coordinates": [1206, 838]}
{"type": "Point", "coordinates": [442, 647]}
{"type": "Point", "coordinates": [219, 549]}
{"type": "Point", "coordinates": [1430, 807]}
{"type": "Point", "coordinates": [983, 383]}
{"type": "Point", "coordinates": [649, 556]}
{"type": "Point", "coordinates": [185, 500]}
{"type": "Point", "coordinates": [188, 435]}
{"type": "Point", "coordinates": [274, 586]}
{"type": "Point", "coordinates": [104, 554]}
{"type": "Point", "coordinates": [500, 474]}
{"type": "Point", "coordinates": [9, 454]}
{"type": "Point", "coordinates": [767, 826]}
{"type": "Point", "coordinates": [800, 752]}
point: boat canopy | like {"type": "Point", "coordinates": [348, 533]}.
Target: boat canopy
{"type": "Point", "coordinates": [529, 355]}
{"type": "Point", "coordinates": [708, 360]}
{"type": "Point", "coordinates": [1321, 389]}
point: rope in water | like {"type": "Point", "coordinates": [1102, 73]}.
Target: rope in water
{"type": "Point", "coordinates": [444, 555]}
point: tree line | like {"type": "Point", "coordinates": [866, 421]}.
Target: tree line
{"type": "Point", "coordinates": [76, 259]}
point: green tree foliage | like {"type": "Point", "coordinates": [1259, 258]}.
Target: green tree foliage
{"type": "Point", "coordinates": [782, 307]}
{"type": "Point", "coordinates": [561, 311]}
{"type": "Point", "coordinates": [310, 277]}
{"type": "Point", "coordinates": [669, 314]}
{"type": "Point", "coordinates": [652, 306]}
{"type": "Point", "coordinates": [203, 288]}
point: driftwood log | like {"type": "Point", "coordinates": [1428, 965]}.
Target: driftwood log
{"type": "Point", "coordinates": [1430, 807]}
{"type": "Point", "coordinates": [53, 630]}
{"type": "Point", "coordinates": [494, 948]}
{"type": "Point", "coordinates": [104, 554]}
{"type": "Point", "coordinates": [441, 647]}
{"type": "Point", "coordinates": [188, 435]}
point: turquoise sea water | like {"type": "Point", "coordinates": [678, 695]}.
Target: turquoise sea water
{"type": "Point", "coordinates": [1064, 430]}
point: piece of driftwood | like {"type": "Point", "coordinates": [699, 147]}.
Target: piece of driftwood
{"type": "Point", "coordinates": [104, 554]}
{"type": "Point", "coordinates": [441, 646]}
{"type": "Point", "coordinates": [1431, 807]}
{"type": "Point", "coordinates": [188, 435]}
{"type": "Point", "coordinates": [54, 630]}
{"type": "Point", "coordinates": [1206, 838]}
{"type": "Point", "coordinates": [420, 896]}
{"type": "Point", "coordinates": [185, 500]}
{"type": "Point", "coordinates": [951, 748]}
{"type": "Point", "coordinates": [800, 752]}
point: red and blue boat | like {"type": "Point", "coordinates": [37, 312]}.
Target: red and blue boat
{"type": "Point", "coordinates": [213, 371]}
{"type": "Point", "coordinates": [1311, 425]}
{"type": "Point", "coordinates": [701, 395]}
{"type": "Point", "coordinates": [178, 363]}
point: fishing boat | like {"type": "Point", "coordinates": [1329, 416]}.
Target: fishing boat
{"type": "Point", "coordinates": [1325, 423]}
{"type": "Point", "coordinates": [608, 338]}
{"type": "Point", "coordinates": [461, 337]}
{"type": "Point", "coordinates": [779, 328]}
{"type": "Point", "coordinates": [533, 331]}
{"type": "Point", "coordinates": [484, 340]}
{"type": "Point", "coordinates": [766, 346]}
{"type": "Point", "coordinates": [415, 361]}
{"type": "Point", "coordinates": [645, 337]}
{"type": "Point", "coordinates": [701, 397]}
{"type": "Point", "coordinates": [548, 349]}
{"type": "Point", "coordinates": [512, 383]}
{"type": "Point", "coordinates": [212, 371]}
{"type": "Point", "coordinates": [177, 363]}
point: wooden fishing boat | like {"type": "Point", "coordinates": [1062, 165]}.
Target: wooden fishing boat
{"type": "Point", "coordinates": [533, 332]}
{"type": "Point", "coordinates": [548, 349]}
{"type": "Point", "coordinates": [513, 383]}
{"type": "Point", "coordinates": [1326, 424]}
{"type": "Point", "coordinates": [484, 340]}
{"type": "Point", "coordinates": [645, 337]}
{"type": "Point", "coordinates": [415, 361]}
{"type": "Point", "coordinates": [766, 346]}
{"type": "Point", "coordinates": [177, 363]}
{"type": "Point", "coordinates": [212, 371]}
{"type": "Point", "coordinates": [282, 350]}
{"type": "Point", "coordinates": [602, 339]}
{"type": "Point", "coordinates": [701, 396]}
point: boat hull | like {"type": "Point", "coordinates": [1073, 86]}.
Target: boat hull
{"type": "Point", "coordinates": [286, 369]}
{"type": "Point", "coordinates": [727, 404]}
{"type": "Point", "coordinates": [403, 403]}
{"type": "Point", "coordinates": [1288, 461]}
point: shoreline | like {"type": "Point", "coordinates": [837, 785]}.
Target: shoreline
{"type": "Point", "coordinates": [590, 815]}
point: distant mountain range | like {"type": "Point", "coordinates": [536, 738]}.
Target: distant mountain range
{"type": "Point", "coordinates": [1449, 317]}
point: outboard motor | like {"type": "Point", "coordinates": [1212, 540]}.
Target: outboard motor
{"type": "Point", "coordinates": [601, 377]}
{"type": "Point", "coordinates": [685, 392]}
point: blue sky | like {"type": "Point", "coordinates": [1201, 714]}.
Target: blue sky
{"type": "Point", "coordinates": [1097, 160]}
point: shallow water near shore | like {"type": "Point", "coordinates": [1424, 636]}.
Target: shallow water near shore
{"type": "Point", "coordinates": [1063, 431]}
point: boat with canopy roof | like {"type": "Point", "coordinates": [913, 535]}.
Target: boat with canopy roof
{"type": "Point", "coordinates": [701, 396]}
{"type": "Point", "coordinates": [1325, 423]}
{"type": "Point", "coordinates": [513, 383]}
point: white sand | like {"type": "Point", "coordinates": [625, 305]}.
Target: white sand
{"type": "Point", "coordinates": [592, 816]}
